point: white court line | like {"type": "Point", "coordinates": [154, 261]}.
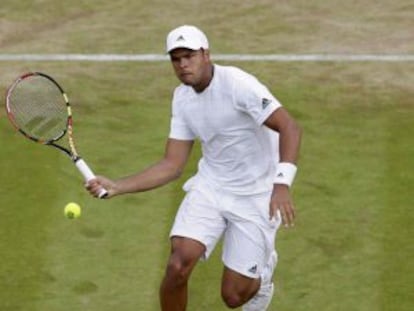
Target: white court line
{"type": "Point", "coordinates": [227, 57]}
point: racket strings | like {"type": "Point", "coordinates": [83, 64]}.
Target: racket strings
{"type": "Point", "coordinates": [39, 108]}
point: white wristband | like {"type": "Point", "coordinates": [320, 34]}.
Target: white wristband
{"type": "Point", "coordinates": [285, 173]}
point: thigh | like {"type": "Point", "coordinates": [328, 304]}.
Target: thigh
{"type": "Point", "coordinates": [234, 283]}
{"type": "Point", "coordinates": [185, 251]}
{"type": "Point", "coordinates": [199, 218]}
{"type": "Point", "coordinates": [184, 255]}
{"type": "Point", "coordinates": [250, 235]}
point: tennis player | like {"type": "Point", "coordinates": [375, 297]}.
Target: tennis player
{"type": "Point", "coordinates": [241, 191]}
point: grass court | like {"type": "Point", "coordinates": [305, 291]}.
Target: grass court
{"type": "Point", "coordinates": [351, 248]}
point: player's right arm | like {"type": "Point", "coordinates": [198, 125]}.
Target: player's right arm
{"type": "Point", "coordinates": [166, 170]}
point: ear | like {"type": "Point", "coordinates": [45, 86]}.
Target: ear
{"type": "Point", "coordinates": [206, 54]}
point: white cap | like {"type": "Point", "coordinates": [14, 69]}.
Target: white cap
{"type": "Point", "coordinates": [188, 37]}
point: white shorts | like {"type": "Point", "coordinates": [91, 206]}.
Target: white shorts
{"type": "Point", "coordinates": [208, 213]}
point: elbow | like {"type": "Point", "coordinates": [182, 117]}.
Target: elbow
{"type": "Point", "coordinates": [174, 171]}
{"type": "Point", "coordinates": [177, 173]}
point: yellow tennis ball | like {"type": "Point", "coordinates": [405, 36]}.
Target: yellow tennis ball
{"type": "Point", "coordinates": [72, 210]}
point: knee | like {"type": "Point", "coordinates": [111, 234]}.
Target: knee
{"type": "Point", "coordinates": [177, 271]}
{"type": "Point", "coordinates": [236, 290]}
{"type": "Point", "coordinates": [232, 301]}
{"type": "Point", "coordinates": [232, 298]}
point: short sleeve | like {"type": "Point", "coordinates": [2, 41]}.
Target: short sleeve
{"type": "Point", "coordinates": [255, 99]}
{"type": "Point", "coordinates": [178, 127]}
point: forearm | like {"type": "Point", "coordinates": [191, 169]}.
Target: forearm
{"type": "Point", "coordinates": [289, 145]}
{"type": "Point", "coordinates": [289, 135]}
{"type": "Point", "coordinates": [154, 176]}
{"type": "Point", "coordinates": [289, 142]}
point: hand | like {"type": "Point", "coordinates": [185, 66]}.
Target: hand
{"type": "Point", "coordinates": [95, 186]}
{"type": "Point", "coordinates": [282, 201]}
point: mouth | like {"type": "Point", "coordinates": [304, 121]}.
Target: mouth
{"type": "Point", "coordinates": [186, 77]}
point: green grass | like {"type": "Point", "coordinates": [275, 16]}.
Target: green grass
{"type": "Point", "coordinates": [351, 247]}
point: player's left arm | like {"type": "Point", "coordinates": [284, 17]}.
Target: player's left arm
{"type": "Point", "coordinates": [289, 145]}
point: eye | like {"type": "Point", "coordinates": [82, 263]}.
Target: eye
{"type": "Point", "coordinates": [175, 59]}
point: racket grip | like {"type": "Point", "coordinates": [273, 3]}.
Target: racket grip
{"type": "Point", "coordinates": [88, 175]}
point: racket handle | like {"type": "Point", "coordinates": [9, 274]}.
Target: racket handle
{"type": "Point", "coordinates": [88, 175]}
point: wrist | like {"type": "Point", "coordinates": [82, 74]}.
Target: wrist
{"type": "Point", "coordinates": [285, 174]}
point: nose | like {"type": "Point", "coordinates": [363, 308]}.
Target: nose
{"type": "Point", "coordinates": [183, 62]}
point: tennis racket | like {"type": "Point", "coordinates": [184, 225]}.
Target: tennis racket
{"type": "Point", "coordinates": [38, 108]}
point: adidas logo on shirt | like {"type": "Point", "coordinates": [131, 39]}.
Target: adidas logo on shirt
{"type": "Point", "coordinates": [265, 103]}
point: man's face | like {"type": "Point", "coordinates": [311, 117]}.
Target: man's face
{"type": "Point", "coordinates": [191, 67]}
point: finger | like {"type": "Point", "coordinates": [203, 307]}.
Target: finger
{"type": "Point", "coordinates": [285, 220]}
{"type": "Point", "coordinates": [290, 215]}
{"type": "Point", "coordinates": [275, 213]}
{"type": "Point", "coordinates": [97, 192]}
{"type": "Point", "coordinates": [277, 216]}
{"type": "Point", "coordinates": [271, 212]}
{"type": "Point", "coordinates": [91, 183]}
{"type": "Point", "coordinates": [287, 215]}
{"type": "Point", "coordinates": [94, 189]}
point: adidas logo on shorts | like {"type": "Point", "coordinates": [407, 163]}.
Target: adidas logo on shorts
{"type": "Point", "coordinates": [253, 269]}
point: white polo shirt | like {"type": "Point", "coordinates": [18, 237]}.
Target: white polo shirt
{"type": "Point", "coordinates": [239, 154]}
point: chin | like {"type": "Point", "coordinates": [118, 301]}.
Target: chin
{"type": "Point", "coordinates": [188, 82]}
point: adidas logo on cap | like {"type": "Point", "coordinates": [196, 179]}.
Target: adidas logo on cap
{"type": "Point", "coordinates": [180, 38]}
{"type": "Point", "coordinates": [187, 37]}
